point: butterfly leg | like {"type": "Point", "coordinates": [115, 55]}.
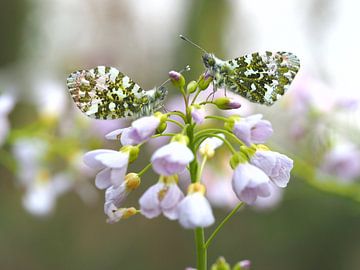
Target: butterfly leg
{"type": "Point", "coordinates": [212, 94]}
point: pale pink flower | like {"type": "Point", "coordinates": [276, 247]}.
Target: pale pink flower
{"type": "Point", "coordinates": [112, 165]}
{"type": "Point", "coordinates": [161, 198]}
{"type": "Point", "coordinates": [249, 183]}
{"type": "Point", "coordinates": [140, 130]}
{"type": "Point", "coordinates": [275, 165]}
{"type": "Point", "coordinates": [252, 129]}
{"type": "Point", "coordinates": [343, 161]}
{"type": "Point", "coordinates": [268, 203]}
{"type": "Point", "coordinates": [171, 158]}
{"type": "Point", "coordinates": [195, 211]}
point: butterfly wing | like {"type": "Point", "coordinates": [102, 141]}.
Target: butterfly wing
{"type": "Point", "coordinates": [106, 93]}
{"type": "Point", "coordinates": [261, 77]}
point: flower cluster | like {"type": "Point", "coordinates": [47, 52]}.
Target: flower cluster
{"type": "Point", "coordinates": [256, 169]}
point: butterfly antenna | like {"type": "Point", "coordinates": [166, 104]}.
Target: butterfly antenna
{"type": "Point", "coordinates": [192, 43]}
{"type": "Point", "coordinates": [187, 68]}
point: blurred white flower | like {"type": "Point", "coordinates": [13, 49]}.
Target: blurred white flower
{"type": "Point", "coordinates": [342, 161]}
{"type": "Point", "coordinates": [218, 186]}
{"type": "Point", "coordinates": [7, 102]}
{"type": "Point", "coordinates": [51, 98]}
{"type": "Point", "coordinates": [42, 193]}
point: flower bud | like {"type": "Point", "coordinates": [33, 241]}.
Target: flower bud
{"type": "Point", "coordinates": [177, 79]}
{"type": "Point", "coordinates": [191, 87]}
{"type": "Point", "coordinates": [132, 181]}
{"type": "Point", "coordinates": [220, 264]}
{"type": "Point", "coordinates": [243, 265]}
{"type": "Point", "coordinates": [128, 212]}
{"type": "Point", "coordinates": [161, 128]}
{"type": "Point", "coordinates": [225, 103]}
{"type": "Point", "coordinates": [204, 81]}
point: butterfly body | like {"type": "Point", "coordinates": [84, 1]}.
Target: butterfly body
{"type": "Point", "coordinates": [259, 77]}
{"type": "Point", "coordinates": [106, 93]}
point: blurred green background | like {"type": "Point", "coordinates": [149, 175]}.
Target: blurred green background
{"type": "Point", "coordinates": [46, 40]}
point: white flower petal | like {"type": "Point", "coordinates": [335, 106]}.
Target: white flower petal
{"type": "Point", "coordinates": [102, 179]}
{"type": "Point", "coordinates": [195, 211]}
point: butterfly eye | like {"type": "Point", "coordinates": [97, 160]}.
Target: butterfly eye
{"type": "Point", "coordinates": [208, 60]}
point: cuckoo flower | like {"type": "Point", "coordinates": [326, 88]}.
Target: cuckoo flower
{"type": "Point", "coordinates": [162, 197]}
{"type": "Point", "coordinates": [171, 158]}
{"type": "Point", "coordinates": [249, 183]}
{"type": "Point", "coordinates": [112, 165]}
{"type": "Point", "coordinates": [275, 165]}
{"type": "Point", "coordinates": [194, 209]}
{"type": "Point", "coordinates": [140, 130]}
{"type": "Point", "coordinates": [252, 129]}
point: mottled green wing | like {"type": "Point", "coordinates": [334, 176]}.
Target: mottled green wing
{"type": "Point", "coordinates": [261, 77]}
{"type": "Point", "coordinates": [106, 93]}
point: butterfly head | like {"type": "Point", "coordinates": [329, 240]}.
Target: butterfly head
{"type": "Point", "coordinates": [209, 60]}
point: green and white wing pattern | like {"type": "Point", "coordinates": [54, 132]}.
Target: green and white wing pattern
{"type": "Point", "coordinates": [106, 93]}
{"type": "Point", "coordinates": [260, 77]}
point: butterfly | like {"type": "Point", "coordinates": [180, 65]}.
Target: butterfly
{"type": "Point", "coordinates": [105, 93]}
{"type": "Point", "coordinates": [259, 77]}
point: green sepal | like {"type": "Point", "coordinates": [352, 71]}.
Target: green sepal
{"type": "Point", "coordinates": [248, 151]}
{"type": "Point", "coordinates": [230, 122]}
{"type": "Point", "coordinates": [181, 139]}
{"type": "Point", "coordinates": [221, 264]}
{"type": "Point", "coordinates": [161, 128]}
{"type": "Point", "coordinates": [191, 87]}
{"type": "Point", "coordinates": [180, 82]}
{"type": "Point", "coordinates": [204, 82]}
{"type": "Point", "coordinates": [237, 158]}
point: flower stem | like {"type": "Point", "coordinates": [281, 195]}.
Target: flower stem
{"type": "Point", "coordinates": [175, 122]}
{"type": "Point", "coordinates": [200, 170]}
{"type": "Point", "coordinates": [217, 117]}
{"type": "Point", "coordinates": [223, 222]}
{"type": "Point", "coordinates": [201, 253]}
{"type": "Point", "coordinates": [144, 170]}
{"type": "Point", "coordinates": [218, 130]}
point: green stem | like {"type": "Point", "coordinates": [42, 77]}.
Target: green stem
{"type": "Point", "coordinates": [178, 113]}
{"type": "Point", "coordinates": [223, 222]}
{"type": "Point", "coordinates": [201, 253]}
{"type": "Point", "coordinates": [144, 170]}
{"type": "Point", "coordinates": [175, 122]}
{"type": "Point", "coordinates": [163, 135]}
{"type": "Point", "coordinates": [222, 118]}
{"type": "Point", "coordinates": [200, 170]}
{"type": "Point", "coordinates": [195, 97]}
{"type": "Point", "coordinates": [218, 130]}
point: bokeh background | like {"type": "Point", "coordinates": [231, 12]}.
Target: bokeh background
{"type": "Point", "coordinates": [51, 216]}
